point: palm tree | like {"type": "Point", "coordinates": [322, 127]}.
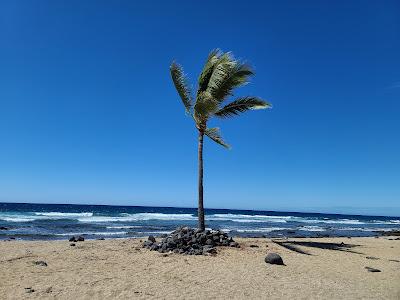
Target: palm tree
{"type": "Point", "coordinates": [220, 76]}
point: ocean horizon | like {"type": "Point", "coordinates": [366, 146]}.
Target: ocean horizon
{"type": "Point", "coordinates": [34, 221]}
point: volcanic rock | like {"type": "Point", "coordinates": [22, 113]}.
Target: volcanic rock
{"type": "Point", "coordinates": [186, 240]}
{"type": "Point", "coordinates": [274, 259]}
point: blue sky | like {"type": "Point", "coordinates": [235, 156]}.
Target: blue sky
{"type": "Point", "coordinates": [88, 113]}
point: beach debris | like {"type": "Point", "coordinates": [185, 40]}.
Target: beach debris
{"type": "Point", "coordinates": [394, 260]}
{"type": "Point", "coordinates": [3, 228]}
{"type": "Point", "coordinates": [72, 244]}
{"type": "Point", "coordinates": [101, 239]}
{"type": "Point", "coordinates": [274, 259]}
{"type": "Point", "coordinates": [49, 290]}
{"type": "Point", "coordinates": [373, 270]}
{"type": "Point", "coordinates": [29, 290]}
{"type": "Point", "coordinates": [371, 257]}
{"type": "Point", "coordinates": [254, 246]}
{"type": "Point", "coordinates": [78, 239]}
{"type": "Point", "coordinates": [41, 263]}
{"type": "Point", "coordinates": [185, 240]}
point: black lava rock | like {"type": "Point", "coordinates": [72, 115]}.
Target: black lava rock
{"type": "Point", "coordinates": [40, 263]}
{"type": "Point", "coordinates": [3, 228]}
{"type": "Point", "coordinates": [72, 245]}
{"type": "Point", "coordinates": [72, 239]}
{"type": "Point", "coordinates": [80, 239]}
{"type": "Point", "coordinates": [373, 270]}
{"type": "Point", "coordinates": [185, 240]}
{"type": "Point", "coordinates": [274, 259]}
{"type": "Point", "coordinates": [29, 290]}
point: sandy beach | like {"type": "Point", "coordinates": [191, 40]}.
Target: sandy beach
{"type": "Point", "coordinates": [122, 269]}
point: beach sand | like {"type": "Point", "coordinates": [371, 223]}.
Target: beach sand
{"type": "Point", "coordinates": [121, 269]}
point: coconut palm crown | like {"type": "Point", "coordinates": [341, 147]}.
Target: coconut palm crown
{"type": "Point", "coordinates": [221, 74]}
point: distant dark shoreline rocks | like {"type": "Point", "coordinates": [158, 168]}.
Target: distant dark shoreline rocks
{"type": "Point", "coordinates": [78, 239]}
{"type": "Point", "coordinates": [185, 240]}
{"type": "Point", "coordinates": [3, 228]}
{"type": "Point", "coordinates": [390, 233]}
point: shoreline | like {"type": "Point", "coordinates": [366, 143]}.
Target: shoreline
{"type": "Point", "coordinates": [121, 269]}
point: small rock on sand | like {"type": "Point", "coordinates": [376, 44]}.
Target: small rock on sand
{"type": "Point", "coordinates": [41, 263]}
{"type": "Point", "coordinates": [254, 246]}
{"type": "Point", "coordinates": [29, 290]}
{"type": "Point", "coordinates": [72, 244]}
{"type": "Point", "coordinates": [373, 270]}
{"type": "Point", "coordinates": [274, 259]}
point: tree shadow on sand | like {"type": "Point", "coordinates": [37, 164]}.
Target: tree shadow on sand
{"type": "Point", "coordinates": [293, 246]}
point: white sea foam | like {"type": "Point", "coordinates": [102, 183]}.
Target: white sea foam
{"type": "Point", "coordinates": [268, 229]}
{"type": "Point", "coordinates": [17, 219]}
{"type": "Point", "coordinates": [124, 227]}
{"type": "Point", "coordinates": [64, 215]}
{"type": "Point", "coordinates": [311, 228]}
{"type": "Point", "coordinates": [139, 217]}
{"type": "Point", "coordinates": [338, 221]}
{"type": "Point", "coordinates": [92, 233]}
{"type": "Point", "coordinates": [248, 218]}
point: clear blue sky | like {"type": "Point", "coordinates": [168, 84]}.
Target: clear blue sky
{"type": "Point", "coordinates": [88, 113]}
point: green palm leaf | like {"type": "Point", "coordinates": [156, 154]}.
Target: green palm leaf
{"type": "Point", "coordinates": [181, 85]}
{"type": "Point", "coordinates": [241, 105]}
{"type": "Point", "coordinates": [237, 74]}
{"type": "Point", "coordinates": [208, 69]}
{"type": "Point", "coordinates": [205, 107]}
{"type": "Point", "coordinates": [214, 134]}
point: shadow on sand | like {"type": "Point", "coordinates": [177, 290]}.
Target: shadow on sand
{"type": "Point", "coordinates": [293, 246]}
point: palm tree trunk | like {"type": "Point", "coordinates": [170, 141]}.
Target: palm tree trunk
{"type": "Point", "coordinates": [200, 206]}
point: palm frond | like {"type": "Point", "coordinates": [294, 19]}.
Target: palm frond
{"type": "Point", "coordinates": [241, 105]}
{"type": "Point", "coordinates": [204, 107]}
{"type": "Point", "coordinates": [221, 71]}
{"type": "Point", "coordinates": [214, 134]}
{"type": "Point", "coordinates": [208, 69]}
{"type": "Point", "coordinates": [182, 86]}
{"type": "Point", "coordinates": [236, 75]}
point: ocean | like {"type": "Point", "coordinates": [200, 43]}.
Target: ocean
{"type": "Point", "coordinates": [61, 221]}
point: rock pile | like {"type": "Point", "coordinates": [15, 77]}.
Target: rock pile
{"type": "Point", "coordinates": [185, 240]}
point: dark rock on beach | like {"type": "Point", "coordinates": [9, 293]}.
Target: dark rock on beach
{"type": "Point", "coordinates": [72, 245]}
{"type": "Point", "coordinates": [40, 263]}
{"type": "Point", "coordinates": [3, 228]}
{"type": "Point", "coordinates": [152, 239]}
{"type": "Point", "coordinates": [390, 233]}
{"type": "Point", "coordinates": [29, 290]}
{"type": "Point", "coordinates": [78, 239]}
{"type": "Point", "coordinates": [274, 259]}
{"type": "Point", "coordinates": [186, 240]}
{"type": "Point", "coordinates": [373, 270]}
